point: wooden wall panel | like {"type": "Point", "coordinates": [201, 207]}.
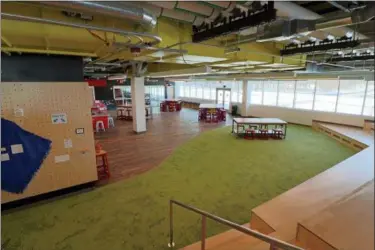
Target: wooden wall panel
{"type": "Point", "coordinates": [39, 101]}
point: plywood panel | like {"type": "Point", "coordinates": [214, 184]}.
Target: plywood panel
{"type": "Point", "coordinates": [38, 101]}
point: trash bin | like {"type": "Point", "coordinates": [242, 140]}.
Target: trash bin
{"type": "Point", "coordinates": [234, 110]}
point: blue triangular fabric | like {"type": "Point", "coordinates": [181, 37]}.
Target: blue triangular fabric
{"type": "Point", "coordinates": [18, 167]}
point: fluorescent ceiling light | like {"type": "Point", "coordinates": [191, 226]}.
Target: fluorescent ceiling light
{"type": "Point", "coordinates": [117, 77]}
{"type": "Point", "coordinates": [182, 72]}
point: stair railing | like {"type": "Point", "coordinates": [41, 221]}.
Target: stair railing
{"type": "Point", "coordinates": [274, 243]}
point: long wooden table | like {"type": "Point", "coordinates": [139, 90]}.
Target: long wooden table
{"type": "Point", "coordinates": [257, 121]}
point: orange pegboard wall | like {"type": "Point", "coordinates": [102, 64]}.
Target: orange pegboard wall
{"type": "Point", "coordinates": [71, 160]}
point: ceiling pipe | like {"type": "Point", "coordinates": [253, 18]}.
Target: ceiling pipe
{"type": "Point", "coordinates": [156, 39]}
{"type": "Point", "coordinates": [114, 9]}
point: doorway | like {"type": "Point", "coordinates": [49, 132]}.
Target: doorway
{"type": "Point", "coordinates": [223, 97]}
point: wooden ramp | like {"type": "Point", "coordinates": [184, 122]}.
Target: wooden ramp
{"type": "Point", "coordinates": [295, 215]}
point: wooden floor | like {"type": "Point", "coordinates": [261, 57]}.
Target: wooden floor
{"type": "Point", "coordinates": [130, 154]}
{"type": "Point", "coordinates": [334, 204]}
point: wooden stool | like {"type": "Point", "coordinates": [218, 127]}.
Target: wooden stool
{"type": "Point", "coordinates": [103, 169]}
{"type": "Point", "coordinates": [120, 113]}
{"type": "Point", "coordinates": [129, 115]}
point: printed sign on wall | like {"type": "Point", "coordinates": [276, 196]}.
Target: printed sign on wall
{"type": "Point", "coordinates": [59, 118]}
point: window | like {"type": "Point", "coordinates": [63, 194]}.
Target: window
{"type": "Point", "coordinates": [234, 92]}
{"type": "Point", "coordinates": [326, 95]}
{"type": "Point", "coordinates": [270, 93]}
{"type": "Point", "coordinates": [193, 90]}
{"type": "Point", "coordinates": [214, 85]}
{"type": "Point", "coordinates": [240, 91]}
{"type": "Point", "coordinates": [368, 108]}
{"type": "Point", "coordinates": [351, 95]}
{"type": "Point", "coordinates": [187, 90]}
{"type": "Point", "coordinates": [182, 90]}
{"type": "Point", "coordinates": [199, 87]}
{"type": "Point", "coordinates": [304, 94]}
{"type": "Point", "coordinates": [286, 94]}
{"type": "Point", "coordinates": [255, 91]}
{"type": "Point", "coordinates": [206, 91]}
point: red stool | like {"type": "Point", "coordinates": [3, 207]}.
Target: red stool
{"type": "Point", "coordinates": [250, 132]}
{"type": "Point", "coordinates": [208, 117]}
{"type": "Point", "coordinates": [223, 115]}
{"type": "Point", "coordinates": [278, 132]}
{"type": "Point", "coordinates": [178, 106]}
{"type": "Point", "coordinates": [103, 168]}
{"type": "Point", "coordinates": [263, 130]}
{"type": "Point", "coordinates": [214, 117]}
{"type": "Point", "coordinates": [162, 107]}
{"type": "Point", "coordinates": [172, 107]}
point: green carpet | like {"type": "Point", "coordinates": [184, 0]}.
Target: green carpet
{"type": "Point", "coordinates": [214, 171]}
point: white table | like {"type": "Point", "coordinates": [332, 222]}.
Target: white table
{"type": "Point", "coordinates": [210, 106]}
{"type": "Point", "coordinates": [258, 121]}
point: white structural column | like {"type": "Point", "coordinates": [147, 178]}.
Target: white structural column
{"type": "Point", "coordinates": [138, 104]}
{"type": "Point", "coordinates": [245, 97]}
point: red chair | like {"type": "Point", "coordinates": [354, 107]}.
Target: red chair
{"type": "Point", "coordinates": [102, 165]}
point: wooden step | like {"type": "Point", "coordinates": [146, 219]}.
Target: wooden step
{"type": "Point", "coordinates": [317, 193]}
{"type": "Point", "coordinates": [218, 240]}
{"type": "Point", "coordinates": [347, 224]}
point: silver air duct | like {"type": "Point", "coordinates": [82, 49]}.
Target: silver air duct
{"type": "Point", "coordinates": [156, 39]}
{"type": "Point", "coordinates": [114, 9]}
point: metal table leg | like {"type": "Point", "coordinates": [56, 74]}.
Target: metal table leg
{"type": "Point", "coordinates": [285, 130]}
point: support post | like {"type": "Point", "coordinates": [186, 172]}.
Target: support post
{"type": "Point", "coordinates": [138, 104]}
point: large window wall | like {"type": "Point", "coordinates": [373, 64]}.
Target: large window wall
{"type": "Point", "coordinates": [347, 96]}
{"type": "Point", "coordinates": [153, 94]}
{"type": "Point", "coordinates": [206, 90]}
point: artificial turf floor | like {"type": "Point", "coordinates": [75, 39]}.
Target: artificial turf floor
{"type": "Point", "coordinates": [213, 171]}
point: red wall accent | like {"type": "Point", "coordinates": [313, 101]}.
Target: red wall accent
{"type": "Point", "coordinates": [96, 83]}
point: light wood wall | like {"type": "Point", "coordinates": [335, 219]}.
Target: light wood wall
{"type": "Point", "coordinates": [38, 102]}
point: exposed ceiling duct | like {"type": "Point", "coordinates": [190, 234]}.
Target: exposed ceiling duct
{"type": "Point", "coordinates": [286, 30]}
{"type": "Point", "coordinates": [308, 22]}
{"type": "Point", "coordinates": [111, 8]}
{"type": "Point", "coordinates": [156, 39]}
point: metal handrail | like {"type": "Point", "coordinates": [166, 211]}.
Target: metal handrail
{"type": "Point", "coordinates": [275, 243]}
